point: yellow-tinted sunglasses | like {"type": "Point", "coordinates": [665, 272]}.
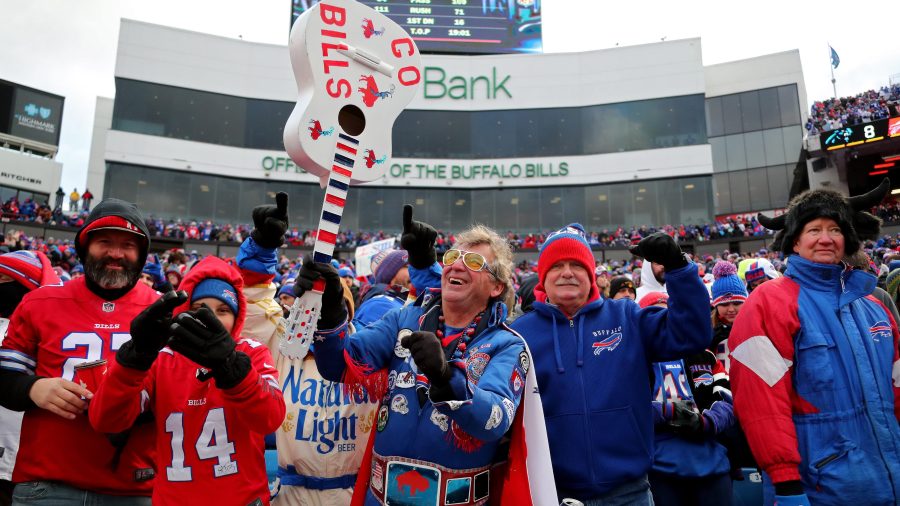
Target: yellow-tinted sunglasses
{"type": "Point", "coordinates": [473, 261]}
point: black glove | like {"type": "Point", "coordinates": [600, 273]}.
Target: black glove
{"type": "Point", "coordinates": [200, 336]}
{"type": "Point", "coordinates": [686, 421]}
{"type": "Point", "coordinates": [150, 332]}
{"type": "Point", "coordinates": [660, 248]}
{"type": "Point", "coordinates": [333, 311]}
{"type": "Point", "coordinates": [270, 222]}
{"type": "Point", "coordinates": [427, 352]}
{"type": "Point", "coordinates": [418, 240]}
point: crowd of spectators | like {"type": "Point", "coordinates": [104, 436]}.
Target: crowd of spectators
{"type": "Point", "coordinates": [872, 105]}
{"type": "Point", "coordinates": [748, 226]}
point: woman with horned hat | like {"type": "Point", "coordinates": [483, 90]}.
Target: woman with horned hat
{"type": "Point", "coordinates": [814, 362]}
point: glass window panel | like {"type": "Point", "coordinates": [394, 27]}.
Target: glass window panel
{"type": "Point", "coordinates": [740, 196]}
{"type": "Point", "coordinates": [756, 152]}
{"type": "Point", "coordinates": [439, 206]}
{"type": "Point", "coordinates": [769, 109]}
{"type": "Point", "coordinates": [529, 221]}
{"type": "Point", "coordinates": [731, 111]}
{"type": "Point", "coordinates": [203, 196]}
{"type": "Point", "coordinates": [715, 126]}
{"type": "Point", "coordinates": [461, 209]}
{"type": "Point", "coordinates": [734, 146]}
{"type": "Point", "coordinates": [696, 199]}
{"type": "Point", "coordinates": [750, 111]}
{"type": "Point", "coordinates": [573, 204]}
{"type": "Point", "coordinates": [228, 191]}
{"type": "Point", "coordinates": [722, 193]}
{"type": "Point", "coordinates": [719, 154]}
{"type": "Point", "coordinates": [253, 193]}
{"type": "Point", "coordinates": [620, 204]}
{"type": "Point", "coordinates": [793, 143]}
{"type": "Point", "coordinates": [773, 140]}
{"type": "Point", "coordinates": [550, 208]}
{"type": "Point", "coordinates": [758, 188]}
{"type": "Point", "coordinates": [507, 206]}
{"type": "Point", "coordinates": [789, 105]}
{"type": "Point", "coordinates": [644, 197]}
{"type": "Point", "coordinates": [483, 207]}
{"type": "Point", "coordinates": [596, 206]}
{"type": "Point", "coordinates": [371, 202]}
{"type": "Point", "coordinates": [668, 200]}
{"type": "Point", "coordinates": [779, 185]}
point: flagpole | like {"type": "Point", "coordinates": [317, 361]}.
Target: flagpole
{"type": "Point", "coordinates": [831, 64]}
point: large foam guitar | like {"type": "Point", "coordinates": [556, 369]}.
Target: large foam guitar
{"type": "Point", "coordinates": [356, 70]}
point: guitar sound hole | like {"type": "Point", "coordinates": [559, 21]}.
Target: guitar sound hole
{"type": "Point", "coordinates": [352, 120]}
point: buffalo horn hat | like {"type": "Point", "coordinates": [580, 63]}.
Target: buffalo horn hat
{"type": "Point", "coordinates": [848, 212]}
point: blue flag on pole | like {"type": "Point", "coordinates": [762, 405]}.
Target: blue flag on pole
{"type": "Point", "coordinates": [835, 59]}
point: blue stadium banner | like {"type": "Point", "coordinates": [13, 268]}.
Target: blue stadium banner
{"type": "Point", "coordinates": [835, 59]}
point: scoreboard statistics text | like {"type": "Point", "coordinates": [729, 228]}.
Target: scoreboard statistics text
{"type": "Point", "coordinates": [460, 26]}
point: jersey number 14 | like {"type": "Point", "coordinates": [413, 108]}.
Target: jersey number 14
{"type": "Point", "coordinates": [212, 443]}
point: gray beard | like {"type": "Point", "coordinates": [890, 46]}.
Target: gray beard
{"type": "Point", "coordinates": [108, 279]}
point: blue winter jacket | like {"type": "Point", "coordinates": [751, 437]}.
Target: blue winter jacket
{"type": "Point", "coordinates": [847, 430]}
{"type": "Point", "coordinates": [594, 373]}
{"type": "Point", "coordinates": [409, 425]}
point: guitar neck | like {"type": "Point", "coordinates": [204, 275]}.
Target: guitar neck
{"type": "Point", "coordinates": [345, 154]}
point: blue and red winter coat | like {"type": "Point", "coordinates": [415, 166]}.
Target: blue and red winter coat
{"type": "Point", "coordinates": [593, 371]}
{"type": "Point", "coordinates": [816, 380]}
{"type": "Point", "coordinates": [458, 434]}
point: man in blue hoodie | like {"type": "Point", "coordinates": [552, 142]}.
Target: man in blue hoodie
{"type": "Point", "coordinates": [593, 361]}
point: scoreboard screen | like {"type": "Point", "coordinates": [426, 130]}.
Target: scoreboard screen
{"type": "Point", "coordinates": [460, 26]}
{"type": "Point", "coordinates": [864, 133]}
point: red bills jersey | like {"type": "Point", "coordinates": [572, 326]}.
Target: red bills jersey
{"type": "Point", "coordinates": [54, 329]}
{"type": "Point", "coordinates": [210, 447]}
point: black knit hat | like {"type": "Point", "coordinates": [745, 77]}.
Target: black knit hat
{"type": "Point", "coordinates": [619, 283]}
{"type": "Point", "coordinates": [849, 213]}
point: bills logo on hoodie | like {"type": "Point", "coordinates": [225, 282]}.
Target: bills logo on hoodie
{"type": "Point", "coordinates": [881, 330]}
{"type": "Point", "coordinates": [608, 344]}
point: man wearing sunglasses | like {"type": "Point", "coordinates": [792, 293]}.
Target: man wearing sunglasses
{"type": "Point", "coordinates": [592, 360]}
{"type": "Point", "coordinates": [448, 371]}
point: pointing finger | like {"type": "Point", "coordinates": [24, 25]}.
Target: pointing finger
{"type": "Point", "coordinates": [407, 218]}
{"type": "Point", "coordinates": [281, 201]}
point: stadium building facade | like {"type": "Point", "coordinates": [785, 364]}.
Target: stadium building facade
{"type": "Point", "coordinates": [618, 137]}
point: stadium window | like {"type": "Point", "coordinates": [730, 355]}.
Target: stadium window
{"type": "Point", "coordinates": [768, 107]}
{"type": "Point", "coordinates": [750, 114]}
{"type": "Point", "coordinates": [731, 111]}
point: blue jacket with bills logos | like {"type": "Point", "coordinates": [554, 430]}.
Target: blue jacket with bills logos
{"type": "Point", "coordinates": [458, 434]}
{"type": "Point", "coordinates": [594, 371]}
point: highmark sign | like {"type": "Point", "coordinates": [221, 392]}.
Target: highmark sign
{"type": "Point", "coordinates": [463, 171]}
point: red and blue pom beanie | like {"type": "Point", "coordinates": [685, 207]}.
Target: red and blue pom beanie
{"type": "Point", "coordinates": [727, 286]}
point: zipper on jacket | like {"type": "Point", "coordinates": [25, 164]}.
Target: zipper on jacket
{"type": "Point", "coordinates": [584, 404]}
{"type": "Point", "coordinates": [820, 464]}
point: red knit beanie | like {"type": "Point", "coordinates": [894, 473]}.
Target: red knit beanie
{"type": "Point", "coordinates": [568, 243]}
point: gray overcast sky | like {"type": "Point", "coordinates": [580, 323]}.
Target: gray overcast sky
{"type": "Point", "coordinates": [68, 47]}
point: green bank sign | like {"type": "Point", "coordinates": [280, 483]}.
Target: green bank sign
{"type": "Point", "coordinates": [437, 85]}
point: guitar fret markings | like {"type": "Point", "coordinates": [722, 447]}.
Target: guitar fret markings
{"type": "Point", "coordinates": [332, 217]}
{"type": "Point", "coordinates": [342, 171]}
{"type": "Point", "coordinates": [348, 138]}
{"type": "Point", "coordinates": [343, 160]}
{"type": "Point", "coordinates": [335, 200]}
{"type": "Point", "coordinates": [348, 149]}
{"type": "Point", "coordinates": [338, 185]}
